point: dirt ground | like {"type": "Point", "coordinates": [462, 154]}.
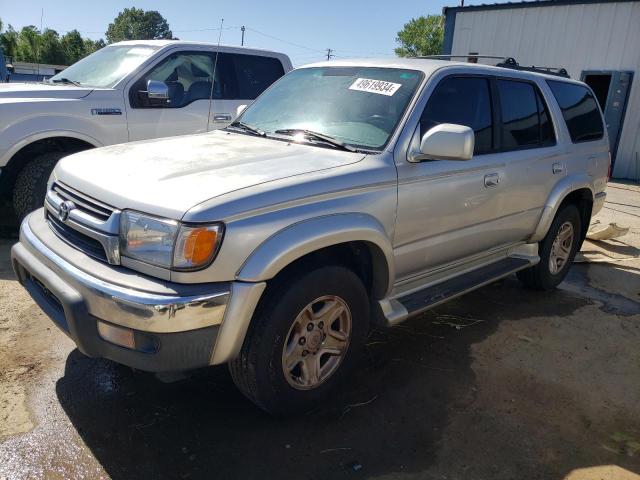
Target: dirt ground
{"type": "Point", "coordinates": [503, 383]}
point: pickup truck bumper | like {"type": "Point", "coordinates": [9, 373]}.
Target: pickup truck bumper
{"type": "Point", "coordinates": [166, 326]}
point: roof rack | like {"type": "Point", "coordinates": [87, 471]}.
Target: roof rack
{"type": "Point", "coordinates": [507, 62]}
{"type": "Point", "coordinates": [511, 63]}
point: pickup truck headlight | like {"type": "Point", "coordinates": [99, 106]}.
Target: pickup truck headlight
{"type": "Point", "coordinates": [168, 243]}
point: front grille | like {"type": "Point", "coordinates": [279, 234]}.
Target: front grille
{"type": "Point", "coordinates": [76, 239]}
{"type": "Point", "coordinates": [83, 203]}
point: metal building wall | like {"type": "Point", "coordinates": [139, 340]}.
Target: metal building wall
{"type": "Point", "coordinates": [578, 37]}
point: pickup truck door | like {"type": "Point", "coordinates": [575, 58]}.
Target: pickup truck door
{"type": "Point", "coordinates": [239, 78]}
{"type": "Point", "coordinates": [187, 75]}
{"type": "Point", "coordinates": [449, 210]}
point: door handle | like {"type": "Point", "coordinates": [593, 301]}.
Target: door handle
{"type": "Point", "coordinates": [557, 168]}
{"type": "Point", "coordinates": [222, 117]}
{"type": "Point", "coordinates": [491, 180]}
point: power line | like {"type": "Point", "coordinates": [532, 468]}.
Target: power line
{"type": "Point", "coordinates": [284, 41]}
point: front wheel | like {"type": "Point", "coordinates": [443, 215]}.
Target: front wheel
{"type": "Point", "coordinates": [30, 188]}
{"type": "Point", "coordinates": [305, 336]}
{"type": "Point", "coordinates": [557, 251]}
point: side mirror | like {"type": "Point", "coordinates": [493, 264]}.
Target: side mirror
{"type": "Point", "coordinates": [240, 109]}
{"type": "Point", "coordinates": [157, 91]}
{"type": "Point", "coordinates": [446, 141]}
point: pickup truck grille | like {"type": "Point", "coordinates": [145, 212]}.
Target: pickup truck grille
{"type": "Point", "coordinates": [84, 243]}
{"type": "Point", "coordinates": [83, 203]}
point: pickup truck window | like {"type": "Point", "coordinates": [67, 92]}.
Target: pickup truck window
{"type": "Point", "coordinates": [187, 76]}
{"type": "Point", "coordinates": [525, 120]}
{"type": "Point", "coordinates": [107, 66]}
{"type": "Point", "coordinates": [360, 106]}
{"type": "Point", "coordinates": [254, 74]}
{"type": "Point", "coordinates": [463, 101]}
{"type": "Point", "coordinates": [580, 111]}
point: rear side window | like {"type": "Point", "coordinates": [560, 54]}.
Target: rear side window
{"type": "Point", "coordinates": [525, 120]}
{"type": "Point", "coordinates": [579, 109]}
{"type": "Point", "coordinates": [254, 74]}
{"type": "Point", "coordinates": [463, 101]}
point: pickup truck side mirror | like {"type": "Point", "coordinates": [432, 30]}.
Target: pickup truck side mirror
{"type": "Point", "coordinates": [240, 109]}
{"type": "Point", "coordinates": [157, 92]}
{"type": "Point", "coordinates": [446, 141]}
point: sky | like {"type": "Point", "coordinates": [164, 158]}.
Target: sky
{"type": "Point", "coordinates": [302, 29]}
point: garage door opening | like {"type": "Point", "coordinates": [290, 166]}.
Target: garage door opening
{"type": "Point", "coordinates": [600, 84]}
{"type": "Point", "coordinates": [612, 92]}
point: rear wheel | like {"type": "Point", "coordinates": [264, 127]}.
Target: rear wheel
{"type": "Point", "coordinates": [557, 251]}
{"type": "Point", "coordinates": [31, 184]}
{"type": "Point", "coordinates": [304, 338]}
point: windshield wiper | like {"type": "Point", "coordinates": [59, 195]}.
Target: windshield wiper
{"type": "Point", "coordinates": [66, 80]}
{"type": "Point", "coordinates": [248, 128]}
{"type": "Point", "coordinates": [317, 136]}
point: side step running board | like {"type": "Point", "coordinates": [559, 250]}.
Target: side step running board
{"type": "Point", "coordinates": [431, 296]}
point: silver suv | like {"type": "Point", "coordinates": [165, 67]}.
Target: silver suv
{"type": "Point", "coordinates": [350, 193]}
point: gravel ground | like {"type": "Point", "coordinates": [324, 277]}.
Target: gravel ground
{"type": "Point", "coordinates": [503, 383]}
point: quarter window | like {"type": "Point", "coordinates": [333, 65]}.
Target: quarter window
{"type": "Point", "coordinates": [525, 120]}
{"type": "Point", "coordinates": [579, 109]}
{"type": "Point", "coordinates": [463, 101]}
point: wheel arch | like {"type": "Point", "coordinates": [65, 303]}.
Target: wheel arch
{"type": "Point", "coordinates": [357, 240]}
{"type": "Point", "coordinates": [39, 143]}
{"type": "Point", "coordinates": [576, 190]}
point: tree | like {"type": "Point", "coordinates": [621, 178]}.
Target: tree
{"type": "Point", "coordinates": [136, 24]}
{"type": "Point", "coordinates": [9, 42]}
{"type": "Point", "coordinates": [51, 50]}
{"type": "Point", "coordinates": [28, 49]}
{"type": "Point", "coordinates": [421, 36]}
{"type": "Point", "coordinates": [73, 46]}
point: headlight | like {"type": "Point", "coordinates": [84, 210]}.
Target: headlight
{"type": "Point", "coordinates": [168, 243]}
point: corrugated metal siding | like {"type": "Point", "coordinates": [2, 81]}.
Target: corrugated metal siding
{"type": "Point", "coordinates": [597, 36]}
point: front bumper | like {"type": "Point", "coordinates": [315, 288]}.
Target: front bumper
{"type": "Point", "coordinates": [175, 326]}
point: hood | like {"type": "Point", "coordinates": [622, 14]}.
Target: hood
{"type": "Point", "coordinates": [167, 177]}
{"type": "Point", "coordinates": [41, 90]}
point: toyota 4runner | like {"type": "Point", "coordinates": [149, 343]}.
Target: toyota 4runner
{"type": "Point", "coordinates": [350, 193]}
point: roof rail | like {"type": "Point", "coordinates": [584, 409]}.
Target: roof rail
{"type": "Point", "coordinates": [507, 62]}
{"type": "Point", "coordinates": [471, 55]}
{"type": "Point", "coordinates": [511, 63]}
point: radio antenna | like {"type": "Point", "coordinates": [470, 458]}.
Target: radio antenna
{"type": "Point", "coordinates": [213, 80]}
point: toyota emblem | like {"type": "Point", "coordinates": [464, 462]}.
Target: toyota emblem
{"type": "Point", "coordinates": [64, 209]}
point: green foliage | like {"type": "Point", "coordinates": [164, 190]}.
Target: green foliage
{"type": "Point", "coordinates": [9, 42]}
{"type": "Point", "coordinates": [31, 45]}
{"type": "Point", "coordinates": [421, 36]}
{"type": "Point", "coordinates": [136, 24]}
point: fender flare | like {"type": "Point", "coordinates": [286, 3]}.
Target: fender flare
{"type": "Point", "coordinates": [559, 192]}
{"type": "Point", "coordinates": [308, 236]}
{"type": "Point", "coordinates": [43, 135]}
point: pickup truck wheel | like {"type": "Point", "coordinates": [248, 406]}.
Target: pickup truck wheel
{"type": "Point", "coordinates": [304, 338]}
{"type": "Point", "coordinates": [31, 184]}
{"type": "Point", "coordinates": [557, 251]}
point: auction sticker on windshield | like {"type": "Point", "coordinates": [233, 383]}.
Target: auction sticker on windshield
{"type": "Point", "coordinates": [375, 86]}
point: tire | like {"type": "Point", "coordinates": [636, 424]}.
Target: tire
{"type": "Point", "coordinates": [31, 184]}
{"type": "Point", "coordinates": [541, 276]}
{"type": "Point", "coordinates": [259, 370]}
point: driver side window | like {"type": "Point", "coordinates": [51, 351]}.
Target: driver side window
{"type": "Point", "coordinates": [187, 76]}
{"type": "Point", "coordinates": [463, 101]}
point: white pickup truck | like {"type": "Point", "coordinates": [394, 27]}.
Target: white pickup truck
{"type": "Point", "coordinates": [126, 91]}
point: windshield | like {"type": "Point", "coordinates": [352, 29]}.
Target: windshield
{"type": "Point", "coordinates": [359, 106]}
{"type": "Point", "coordinates": [106, 67]}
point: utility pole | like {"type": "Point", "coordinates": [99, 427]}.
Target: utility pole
{"type": "Point", "coordinates": [329, 54]}
{"type": "Point", "coordinates": [242, 29]}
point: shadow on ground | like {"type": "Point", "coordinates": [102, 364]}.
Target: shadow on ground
{"type": "Point", "coordinates": [388, 419]}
